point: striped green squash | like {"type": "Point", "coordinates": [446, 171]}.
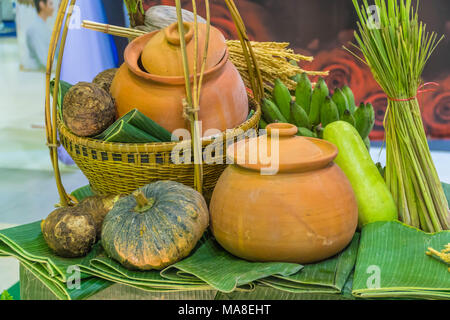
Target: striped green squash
{"type": "Point", "coordinates": [156, 226]}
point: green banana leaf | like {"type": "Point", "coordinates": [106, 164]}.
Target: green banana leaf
{"type": "Point", "coordinates": [63, 88]}
{"type": "Point", "coordinates": [398, 250]}
{"type": "Point", "coordinates": [392, 262]}
{"type": "Point", "coordinates": [27, 244]}
{"type": "Point", "coordinates": [128, 128]}
{"type": "Point", "coordinates": [127, 133]}
{"type": "Point", "coordinates": [403, 268]}
{"type": "Point", "coordinates": [209, 267]}
{"type": "Point", "coordinates": [82, 193]}
{"type": "Point", "coordinates": [133, 127]}
{"type": "Point", "coordinates": [328, 277]}
{"type": "Point", "coordinates": [152, 281]}
{"type": "Point", "coordinates": [224, 272]}
{"type": "Point", "coordinates": [263, 292]}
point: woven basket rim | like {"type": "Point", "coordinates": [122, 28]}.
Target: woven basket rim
{"type": "Point", "coordinates": [153, 146]}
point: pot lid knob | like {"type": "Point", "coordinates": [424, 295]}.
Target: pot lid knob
{"type": "Point", "coordinates": [162, 54]}
{"type": "Point", "coordinates": [173, 36]}
{"type": "Point", "coordinates": [284, 129]}
{"type": "Point", "coordinates": [283, 150]}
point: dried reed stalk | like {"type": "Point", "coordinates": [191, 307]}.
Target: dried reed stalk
{"type": "Point", "coordinates": [51, 114]}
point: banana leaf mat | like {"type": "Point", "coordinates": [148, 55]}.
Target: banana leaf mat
{"type": "Point", "coordinates": [326, 277]}
{"type": "Point", "coordinates": [208, 267]}
{"type": "Point", "coordinates": [398, 250]}
{"type": "Point", "coordinates": [392, 263]}
{"type": "Point", "coordinates": [27, 245]}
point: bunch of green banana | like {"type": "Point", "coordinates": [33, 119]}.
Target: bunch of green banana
{"type": "Point", "coordinates": [311, 110]}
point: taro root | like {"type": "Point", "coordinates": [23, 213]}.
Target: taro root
{"type": "Point", "coordinates": [98, 207]}
{"type": "Point", "coordinates": [88, 110]}
{"type": "Point", "coordinates": [70, 232]}
{"type": "Point", "coordinates": [105, 78]}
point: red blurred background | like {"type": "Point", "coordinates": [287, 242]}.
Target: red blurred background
{"type": "Point", "coordinates": [321, 27]}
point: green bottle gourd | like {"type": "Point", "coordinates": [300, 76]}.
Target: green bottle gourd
{"type": "Point", "coordinates": [375, 202]}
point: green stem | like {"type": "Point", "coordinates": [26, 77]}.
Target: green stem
{"type": "Point", "coordinates": [143, 203]}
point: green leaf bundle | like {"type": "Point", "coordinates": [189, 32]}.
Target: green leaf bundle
{"type": "Point", "coordinates": [396, 46]}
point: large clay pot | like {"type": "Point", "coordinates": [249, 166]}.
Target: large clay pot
{"type": "Point", "coordinates": [151, 80]}
{"type": "Point", "coordinates": [305, 213]}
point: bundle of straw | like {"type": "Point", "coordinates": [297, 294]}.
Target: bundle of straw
{"type": "Point", "coordinates": [444, 255]}
{"type": "Point", "coordinates": [273, 58]}
{"type": "Point", "coordinates": [396, 47]}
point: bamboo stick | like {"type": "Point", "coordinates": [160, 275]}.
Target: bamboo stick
{"type": "Point", "coordinates": [50, 114]}
{"type": "Point", "coordinates": [65, 200]}
{"type": "Point", "coordinates": [190, 111]}
{"type": "Point", "coordinates": [246, 45]}
{"type": "Point", "coordinates": [196, 138]}
{"type": "Point", "coordinates": [112, 30]}
{"type": "Point", "coordinates": [253, 83]}
{"type": "Point", "coordinates": [50, 59]}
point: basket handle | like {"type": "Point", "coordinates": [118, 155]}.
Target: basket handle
{"type": "Point", "coordinates": [254, 71]}
{"type": "Point", "coordinates": [51, 113]}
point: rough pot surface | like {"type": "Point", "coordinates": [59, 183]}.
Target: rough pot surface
{"type": "Point", "coordinates": [302, 215]}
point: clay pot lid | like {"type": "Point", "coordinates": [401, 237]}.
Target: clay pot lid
{"type": "Point", "coordinates": [295, 153]}
{"type": "Point", "coordinates": [162, 54]}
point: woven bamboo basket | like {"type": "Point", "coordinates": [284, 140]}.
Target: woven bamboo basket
{"type": "Point", "coordinates": [114, 168]}
{"type": "Point", "coordinates": [117, 168]}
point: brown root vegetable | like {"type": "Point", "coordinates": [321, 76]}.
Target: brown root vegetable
{"type": "Point", "coordinates": [105, 78]}
{"type": "Point", "coordinates": [88, 110]}
{"type": "Point", "coordinates": [98, 207]}
{"type": "Point", "coordinates": [70, 232]}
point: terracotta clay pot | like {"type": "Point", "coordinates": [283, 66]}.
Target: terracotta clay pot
{"type": "Point", "coordinates": [305, 213]}
{"type": "Point", "coordinates": [159, 95]}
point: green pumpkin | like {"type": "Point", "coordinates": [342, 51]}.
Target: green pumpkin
{"type": "Point", "coordinates": [156, 226]}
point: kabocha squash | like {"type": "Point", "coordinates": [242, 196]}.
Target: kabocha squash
{"type": "Point", "coordinates": [156, 226]}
